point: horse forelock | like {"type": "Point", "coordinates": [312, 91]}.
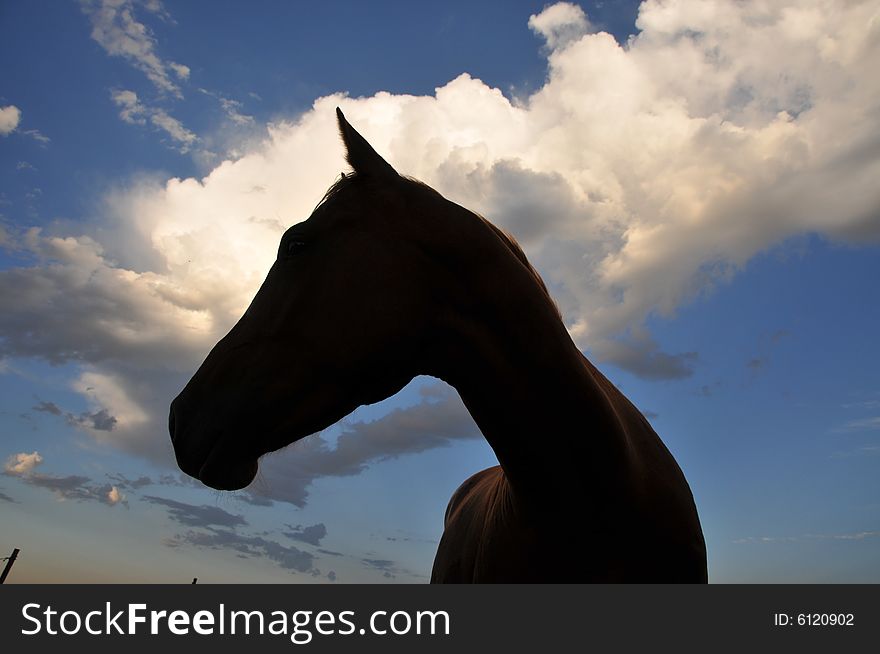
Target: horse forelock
{"type": "Point", "coordinates": [345, 181]}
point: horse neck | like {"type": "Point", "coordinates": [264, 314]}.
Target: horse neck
{"type": "Point", "coordinates": [552, 419]}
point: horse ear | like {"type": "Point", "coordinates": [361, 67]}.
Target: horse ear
{"type": "Point", "coordinates": [360, 155]}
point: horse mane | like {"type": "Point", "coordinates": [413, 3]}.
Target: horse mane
{"type": "Point", "coordinates": [517, 251]}
{"type": "Point", "coordinates": [350, 179]}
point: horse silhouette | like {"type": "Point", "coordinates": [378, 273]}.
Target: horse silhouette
{"type": "Point", "coordinates": [387, 280]}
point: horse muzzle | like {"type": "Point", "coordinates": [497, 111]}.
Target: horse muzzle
{"type": "Point", "coordinates": [211, 458]}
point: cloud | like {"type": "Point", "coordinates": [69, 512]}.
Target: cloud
{"type": "Point", "coordinates": [862, 404]}
{"type": "Point", "coordinates": [196, 516]}
{"type": "Point", "coordinates": [865, 450]}
{"type": "Point", "coordinates": [380, 564]}
{"type": "Point", "coordinates": [124, 482]}
{"type": "Point", "coordinates": [134, 112]}
{"type": "Point", "coordinates": [10, 116]}
{"type": "Point", "coordinates": [330, 552]}
{"type": "Point", "coordinates": [232, 108]}
{"type": "Point", "coordinates": [99, 420]}
{"type": "Point", "coordinates": [389, 569]}
{"type": "Point", "coordinates": [639, 354]}
{"type": "Point", "coordinates": [116, 29]}
{"type": "Point", "coordinates": [48, 407]}
{"type": "Point", "coordinates": [311, 535]}
{"type": "Point", "coordinates": [22, 463]}
{"type": "Point", "coordinates": [438, 421]}
{"type": "Point", "coordinates": [38, 136]}
{"type": "Point", "coordinates": [863, 424]}
{"type": "Point", "coordinates": [860, 535]}
{"type": "Point", "coordinates": [560, 24]}
{"type": "Point", "coordinates": [174, 128]}
{"type": "Point", "coordinates": [114, 496]}
{"type": "Point", "coordinates": [180, 70]}
{"type": "Point", "coordinates": [6, 498]}
{"type": "Point", "coordinates": [289, 558]}
{"type": "Point", "coordinates": [640, 176]}
{"type": "Point", "coordinates": [255, 500]}
{"type": "Point", "coordinates": [65, 487]}
{"type": "Point", "coordinates": [756, 364]}
{"type": "Point", "coordinates": [130, 109]}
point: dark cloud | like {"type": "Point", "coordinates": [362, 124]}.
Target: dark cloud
{"type": "Point", "coordinates": [410, 539]}
{"type": "Point", "coordinates": [530, 204]}
{"type": "Point", "coordinates": [330, 552]}
{"type": "Point", "coordinates": [289, 558]}
{"type": "Point", "coordinates": [641, 356]}
{"type": "Point", "coordinates": [196, 516]}
{"type": "Point", "coordinates": [311, 535]}
{"type": "Point", "coordinates": [6, 498]}
{"type": "Point", "coordinates": [255, 500]}
{"type": "Point", "coordinates": [48, 407]}
{"type": "Point", "coordinates": [180, 480]}
{"type": "Point", "coordinates": [386, 567]}
{"type": "Point", "coordinates": [100, 420]}
{"type": "Point", "coordinates": [438, 421]}
{"type": "Point", "coordinates": [380, 564]}
{"type": "Point", "coordinates": [72, 487]}
{"type": "Point", "coordinates": [131, 484]}
{"type": "Point", "coordinates": [756, 364]}
{"type": "Point", "coordinates": [79, 319]}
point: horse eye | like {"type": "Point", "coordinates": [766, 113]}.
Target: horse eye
{"type": "Point", "coordinates": [294, 245]}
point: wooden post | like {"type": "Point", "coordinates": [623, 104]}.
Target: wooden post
{"type": "Point", "coordinates": [9, 561]}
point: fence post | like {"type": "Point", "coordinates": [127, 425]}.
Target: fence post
{"type": "Point", "coordinates": [9, 561]}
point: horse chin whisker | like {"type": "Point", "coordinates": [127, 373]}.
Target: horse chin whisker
{"type": "Point", "coordinates": [260, 482]}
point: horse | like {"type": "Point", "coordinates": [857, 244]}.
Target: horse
{"type": "Point", "coordinates": [387, 279]}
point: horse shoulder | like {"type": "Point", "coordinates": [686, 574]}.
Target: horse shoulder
{"type": "Point", "coordinates": [464, 494]}
{"type": "Point", "coordinates": [478, 519]}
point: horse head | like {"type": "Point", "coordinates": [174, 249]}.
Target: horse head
{"type": "Point", "coordinates": [355, 305]}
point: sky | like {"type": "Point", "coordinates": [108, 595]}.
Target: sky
{"type": "Point", "coordinates": [694, 179]}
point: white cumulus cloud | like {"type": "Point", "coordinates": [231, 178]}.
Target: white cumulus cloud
{"type": "Point", "coordinates": [114, 496]}
{"type": "Point", "coordinates": [560, 23]}
{"type": "Point", "coordinates": [22, 463]}
{"type": "Point", "coordinates": [10, 116]}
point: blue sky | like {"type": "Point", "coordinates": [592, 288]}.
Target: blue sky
{"type": "Point", "coordinates": [695, 181]}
